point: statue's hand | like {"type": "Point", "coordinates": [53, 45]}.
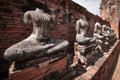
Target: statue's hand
{"type": "Point", "coordinates": [49, 51]}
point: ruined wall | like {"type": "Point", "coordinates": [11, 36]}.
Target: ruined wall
{"type": "Point", "coordinates": [13, 30]}
{"type": "Point", "coordinates": [109, 10]}
{"type": "Point", "coordinates": [107, 64]}
{"type": "Point", "coordinates": [104, 67]}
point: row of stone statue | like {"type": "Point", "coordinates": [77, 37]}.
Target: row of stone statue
{"type": "Point", "coordinates": [39, 42]}
{"type": "Point", "coordinates": [86, 47]}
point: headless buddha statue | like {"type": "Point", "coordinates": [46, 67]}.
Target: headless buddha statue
{"type": "Point", "coordinates": [39, 41]}
{"type": "Point", "coordinates": [82, 27]}
{"type": "Point", "coordinates": [98, 31]}
{"type": "Point", "coordinates": [106, 31]}
{"type": "Point", "coordinates": [83, 44]}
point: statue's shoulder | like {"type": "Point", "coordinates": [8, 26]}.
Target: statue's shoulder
{"type": "Point", "coordinates": [79, 21]}
{"type": "Point", "coordinates": [97, 23]}
{"type": "Point", "coordinates": [31, 11]}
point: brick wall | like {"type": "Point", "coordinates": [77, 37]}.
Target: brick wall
{"type": "Point", "coordinates": [12, 28]}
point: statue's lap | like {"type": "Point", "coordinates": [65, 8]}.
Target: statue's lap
{"type": "Point", "coordinates": [27, 49]}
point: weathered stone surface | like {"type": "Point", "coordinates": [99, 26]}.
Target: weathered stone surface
{"type": "Point", "coordinates": [83, 44]}
{"type": "Point", "coordinates": [38, 41]}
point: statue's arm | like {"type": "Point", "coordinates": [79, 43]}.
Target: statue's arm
{"type": "Point", "coordinates": [27, 17]}
{"type": "Point", "coordinates": [77, 26]}
{"type": "Point", "coordinates": [95, 29]}
{"type": "Point", "coordinates": [103, 29]}
{"type": "Point", "coordinates": [64, 44]}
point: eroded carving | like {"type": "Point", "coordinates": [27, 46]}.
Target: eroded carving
{"type": "Point", "coordinates": [84, 43]}
{"type": "Point", "coordinates": [106, 33]}
{"type": "Point", "coordinates": [109, 34]}
{"type": "Point", "coordinates": [98, 35]}
{"type": "Point", "coordinates": [98, 31]}
{"type": "Point", "coordinates": [39, 42]}
{"type": "Point", "coordinates": [82, 27]}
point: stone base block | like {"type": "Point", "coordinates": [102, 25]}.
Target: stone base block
{"type": "Point", "coordinates": [38, 71]}
{"type": "Point", "coordinates": [83, 54]}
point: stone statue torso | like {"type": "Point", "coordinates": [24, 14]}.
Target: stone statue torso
{"type": "Point", "coordinates": [82, 27]}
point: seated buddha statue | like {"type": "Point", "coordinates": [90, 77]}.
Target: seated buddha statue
{"type": "Point", "coordinates": [39, 41]}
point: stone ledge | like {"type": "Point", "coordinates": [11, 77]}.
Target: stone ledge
{"type": "Point", "coordinates": [101, 69]}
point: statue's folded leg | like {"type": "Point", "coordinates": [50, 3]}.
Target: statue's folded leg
{"type": "Point", "coordinates": [59, 46]}
{"type": "Point", "coordinates": [26, 49]}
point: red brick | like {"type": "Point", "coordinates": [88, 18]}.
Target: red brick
{"type": "Point", "coordinates": [39, 72]}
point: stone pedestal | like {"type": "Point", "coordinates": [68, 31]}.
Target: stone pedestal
{"type": "Point", "coordinates": [83, 54]}
{"type": "Point", "coordinates": [102, 69]}
{"type": "Point", "coordinates": [34, 70]}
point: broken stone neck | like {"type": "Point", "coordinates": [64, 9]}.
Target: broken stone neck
{"type": "Point", "coordinates": [40, 31]}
